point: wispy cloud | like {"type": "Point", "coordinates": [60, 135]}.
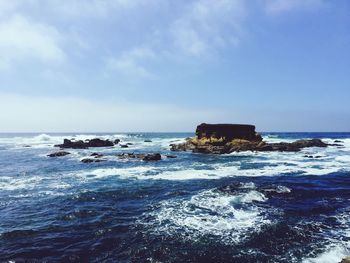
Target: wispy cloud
{"type": "Point", "coordinates": [276, 7]}
{"type": "Point", "coordinates": [131, 62]}
{"type": "Point", "coordinates": [22, 39]}
{"type": "Point", "coordinates": [208, 25]}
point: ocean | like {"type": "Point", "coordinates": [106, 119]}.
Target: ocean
{"type": "Point", "coordinates": [239, 207]}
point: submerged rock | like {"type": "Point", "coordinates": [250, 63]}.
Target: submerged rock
{"type": "Point", "coordinates": [147, 140]}
{"type": "Point", "coordinates": [58, 154]}
{"type": "Point", "coordinates": [124, 145]}
{"type": "Point", "coordinates": [90, 160]}
{"type": "Point", "coordinates": [221, 141]}
{"type": "Point", "coordinates": [85, 144]}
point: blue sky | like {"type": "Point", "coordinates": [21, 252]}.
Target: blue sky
{"type": "Point", "coordinates": [161, 65]}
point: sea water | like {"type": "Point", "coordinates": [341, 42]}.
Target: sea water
{"type": "Point", "coordinates": [239, 207]}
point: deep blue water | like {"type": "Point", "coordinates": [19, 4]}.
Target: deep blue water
{"type": "Point", "coordinates": [242, 207]}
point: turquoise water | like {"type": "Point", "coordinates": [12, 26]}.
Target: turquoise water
{"type": "Point", "coordinates": [241, 207]}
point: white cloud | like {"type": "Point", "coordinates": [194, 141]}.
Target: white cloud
{"type": "Point", "coordinates": [59, 114]}
{"type": "Point", "coordinates": [21, 39]}
{"type": "Point", "coordinates": [207, 25]}
{"type": "Point", "coordinates": [131, 62]}
{"type": "Point", "coordinates": [282, 6]}
{"type": "Point", "coordinates": [94, 8]}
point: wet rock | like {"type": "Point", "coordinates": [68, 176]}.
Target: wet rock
{"type": "Point", "coordinates": [90, 160]}
{"type": "Point", "coordinates": [85, 144]}
{"type": "Point", "coordinates": [171, 156]}
{"type": "Point", "coordinates": [27, 146]}
{"type": "Point", "coordinates": [152, 157]}
{"type": "Point", "coordinates": [338, 141]}
{"type": "Point", "coordinates": [147, 141]}
{"type": "Point", "coordinates": [124, 145]}
{"type": "Point", "coordinates": [129, 143]}
{"type": "Point", "coordinates": [116, 141]}
{"type": "Point", "coordinates": [58, 154]}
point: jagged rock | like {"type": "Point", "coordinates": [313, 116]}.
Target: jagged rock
{"type": "Point", "coordinates": [58, 154]}
{"type": "Point", "coordinates": [90, 160]}
{"type": "Point", "coordinates": [152, 157]}
{"type": "Point", "coordinates": [220, 142]}
{"type": "Point", "coordinates": [116, 141]}
{"type": "Point", "coordinates": [85, 144]}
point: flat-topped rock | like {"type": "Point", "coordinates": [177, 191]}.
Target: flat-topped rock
{"type": "Point", "coordinates": [228, 132]}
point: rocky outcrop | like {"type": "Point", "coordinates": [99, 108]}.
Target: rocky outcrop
{"type": "Point", "coordinates": [58, 154]}
{"type": "Point", "coordinates": [221, 141]}
{"type": "Point", "coordinates": [85, 144]}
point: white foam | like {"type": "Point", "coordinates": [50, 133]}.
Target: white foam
{"type": "Point", "coordinates": [333, 254]}
{"type": "Point", "coordinates": [211, 213]}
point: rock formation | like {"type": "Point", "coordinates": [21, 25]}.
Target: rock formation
{"type": "Point", "coordinates": [227, 138]}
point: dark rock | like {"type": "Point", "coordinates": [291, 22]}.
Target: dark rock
{"type": "Point", "coordinates": [89, 160]}
{"type": "Point", "coordinates": [27, 146]}
{"type": "Point", "coordinates": [58, 154]}
{"type": "Point", "coordinates": [85, 144]}
{"type": "Point", "coordinates": [152, 157]}
{"type": "Point", "coordinates": [171, 156]}
{"type": "Point", "coordinates": [338, 141]}
{"type": "Point", "coordinates": [116, 141]}
{"type": "Point", "coordinates": [129, 143]}
{"type": "Point", "coordinates": [147, 141]}
{"type": "Point", "coordinates": [228, 132]}
{"type": "Point", "coordinates": [124, 146]}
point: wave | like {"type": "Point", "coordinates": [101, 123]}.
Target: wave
{"type": "Point", "coordinates": [210, 213]}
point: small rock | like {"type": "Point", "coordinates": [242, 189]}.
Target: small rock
{"type": "Point", "coordinates": [338, 141]}
{"type": "Point", "coordinates": [147, 141]}
{"type": "Point", "coordinates": [129, 143]}
{"type": "Point", "coordinates": [89, 160]}
{"type": "Point", "coordinates": [152, 157]}
{"type": "Point", "coordinates": [171, 156]}
{"type": "Point", "coordinates": [116, 141]}
{"type": "Point", "coordinates": [124, 146]}
{"type": "Point", "coordinates": [26, 146]}
{"type": "Point", "coordinates": [58, 154]}
{"type": "Point", "coordinates": [96, 155]}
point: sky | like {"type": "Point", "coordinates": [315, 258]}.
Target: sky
{"type": "Point", "coordinates": [169, 65]}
